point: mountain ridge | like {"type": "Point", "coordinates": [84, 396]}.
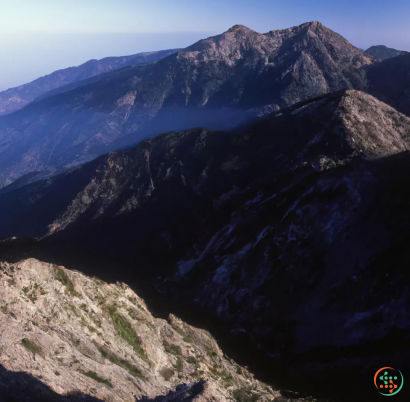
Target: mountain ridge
{"type": "Point", "coordinates": [236, 72]}
{"type": "Point", "coordinates": [299, 205]}
{"type": "Point", "coordinates": [16, 98]}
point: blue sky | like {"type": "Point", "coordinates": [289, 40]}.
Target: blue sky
{"type": "Point", "coordinates": [39, 36]}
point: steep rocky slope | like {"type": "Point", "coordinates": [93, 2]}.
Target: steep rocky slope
{"type": "Point", "coordinates": [282, 230]}
{"type": "Point", "coordinates": [14, 99]}
{"type": "Point", "coordinates": [79, 334]}
{"type": "Point", "coordinates": [383, 52]}
{"type": "Point", "coordinates": [179, 168]}
{"type": "Point", "coordinates": [211, 83]}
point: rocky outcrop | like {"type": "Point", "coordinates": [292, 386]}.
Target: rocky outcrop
{"type": "Point", "coordinates": [80, 335]}
{"type": "Point", "coordinates": [14, 99]}
{"type": "Point", "coordinates": [216, 83]}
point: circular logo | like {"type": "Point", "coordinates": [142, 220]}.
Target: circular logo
{"type": "Point", "coordinates": [388, 381]}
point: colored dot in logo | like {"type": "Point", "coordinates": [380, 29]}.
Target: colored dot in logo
{"type": "Point", "coordinates": [386, 381]}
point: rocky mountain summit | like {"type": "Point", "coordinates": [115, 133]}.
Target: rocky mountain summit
{"type": "Point", "coordinates": [79, 335]}
{"type": "Point", "coordinates": [14, 99]}
{"type": "Point", "coordinates": [218, 83]}
{"type": "Point", "coordinates": [383, 52]}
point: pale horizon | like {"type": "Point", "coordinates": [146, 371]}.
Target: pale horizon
{"type": "Point", "coordinates": [37, 38]}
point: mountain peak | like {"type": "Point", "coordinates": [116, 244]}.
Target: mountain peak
{"type": "Point", "coordinates": [239, 27]}
{"type": "Point", "coordinates": [315, 24]}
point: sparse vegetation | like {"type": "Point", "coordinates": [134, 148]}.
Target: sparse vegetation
{"type": "Point", "coordinates": [191, 360]}
{"type": "Point", "coordinates": [32, 296]}
{"type": "Point", "coordinates": [73, 309]}
{"type": "Point", "coordinates": [173, 349]}
{"type": "Point", "coordinates": [126, 332]}
{"type": "Point", "coordinates": [11, 282]}
{"type": "Point", "coordinates": [186, 337]}
{"type": "Point", "coordinates": [32, 346]}
{"type": "Point", "coordinates": [211, 353]}
{"type": "Point", "coordinates": [62, 277]}
{"type": "Point", "coordinates": [96, 377]}
{"type": "Point", "coordinates": [244, 395]}
{"type": "Point", "coordinates": [226, 377]}
{"type": "Point", "coordinates": [179, 366]}
{"type": "Point", "coordinates": [134, 371]}
{"type": "Point", "coordinates": [166, 373]}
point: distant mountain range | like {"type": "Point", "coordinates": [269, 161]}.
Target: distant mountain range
{"type": "Point", "coordinates": [217, 82]}
{"type": "Point", "coordinates": [383, 52]}
{"type": "Point", "coordinates": [14, 99]}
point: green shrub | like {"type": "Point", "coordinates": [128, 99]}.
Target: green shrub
{"type": "Point", "coordinates": [134, 371]}
{"type": "Point", "coordinates": [96, 377]}
{"type": "Point", "coordinates": [62, 277]}
{"type": "Point", "coordinates": [191, 359]}
{"type": "Point", "coordinates": [243, 395]}
{"type": "Point", "coordinates": [32, 346]}
{"type": "Point", "coordinates": [126, 332]}
{"type": "Point", "coordinates": [166, 373]}
{"type": "Point", "coordinates": [179, 365]}
{"type": "Point", "coordinates": [173, 349]}
{"type": "Point", "coordinates": [211, 353]}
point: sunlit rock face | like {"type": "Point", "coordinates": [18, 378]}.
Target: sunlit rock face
{"type": "Point", "coordinates": [77, 334]}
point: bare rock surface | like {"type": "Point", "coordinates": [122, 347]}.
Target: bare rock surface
{"type": "Point", "coordinates": [79, 334]}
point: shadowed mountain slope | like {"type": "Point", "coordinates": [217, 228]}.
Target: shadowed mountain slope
{"type": "Point", "coordinates": [211, 83]}
{"type": "Point", "coordinates": [389, 81]}
{"type": "Point", "coordinates": [282, 230]}
{"type": "Point", "coordinates": [202, 163]}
